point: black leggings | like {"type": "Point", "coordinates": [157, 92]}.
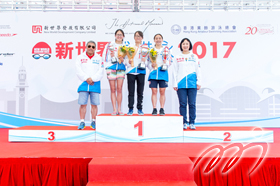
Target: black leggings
{"type": "Point", "coordinates": [140, 78]}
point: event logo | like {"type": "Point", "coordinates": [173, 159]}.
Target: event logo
{"type": "Point", "coordinates": [41, 49]}
{"type": "Point", "coordinates": [37, 29]}
{"type": "Point", "coordinates": [7, 54]}
{"type": "Point", "coordinates": [234, 159]}
{"type": "Point", "coordinates": [7, 35]}
{"type": "Point", "coordinates": [261, 29]}
{"type": "Point", "coordinates": [176, 29]}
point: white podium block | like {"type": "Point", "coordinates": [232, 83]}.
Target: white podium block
{"type": "Point", "coordinates": [51, 134]}
{"type": "Point", "coordinates": [147, 128]}
{"type": "Point", "coordinates": [228, 135]}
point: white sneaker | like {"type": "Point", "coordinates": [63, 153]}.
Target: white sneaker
{"type": "Point", "coordinates": [192, 127]}
{"type": "Point", "coordinates": [185, 126]}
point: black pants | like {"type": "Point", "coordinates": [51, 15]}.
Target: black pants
{"type": "Point", "coordinates": [140, 78]}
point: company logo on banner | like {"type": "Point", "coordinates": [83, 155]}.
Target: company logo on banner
{"type": "Point", "coordinates": [59, 29]}
{"type": "Point", "coordinates": [117, 23]}
{"type": "Point", "coordinates": [210, 29]}
{"type": "Point", "coordinates": [41, 49]}
{"type": "Point", "coordinates": [261, 29]}
{"type": "Point", "coordinates": [7, 54]}
{"type": "Point", "coordinates": [7, 35]}
{"type": "Point", "coordinates": [5, 27]}
{"type": "Point", "coordinates": [176, 29]}
{"type": "Point", "coordinates": [36, 29]}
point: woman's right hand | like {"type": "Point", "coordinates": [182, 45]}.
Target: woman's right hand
{"type": "Point", "coordinates": [175, 88]}
{"type": "Point", "coordinates": [154, 65]}
{"type": "Point", "coordinates": [130, 61]}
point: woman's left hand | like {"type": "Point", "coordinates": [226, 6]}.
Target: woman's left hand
{"type": "Point", "coordinates": [198, 87]}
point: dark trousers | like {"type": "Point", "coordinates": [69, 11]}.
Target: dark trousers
{"type": "Point", "coordinates": [187, 96]}
{"type": "Point", "coordinates": [140, 79]}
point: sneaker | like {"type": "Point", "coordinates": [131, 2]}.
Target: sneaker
{"type": "Point", "coordinates": [92, 125]}
{"type": "Point", "coordinates": [185, 127]}
{"type": "Point", "coordinates": [192, 127]}
{"type": "Point", "coordinates": [130, 112]}
{"type": "Point", "coordinates": [82, 126]}
{"type": "Point", "coordinates": [154, 113]}
{"type": "Point", "coordinates": [140, 112]}
{"type": "Point", "coordinates": [161, 112]}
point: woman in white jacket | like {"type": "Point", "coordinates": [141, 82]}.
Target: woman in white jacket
{"type": "Point", "coordinates": [158, 75]}
{"type": "Point", "coordinates": [115, 70]}
{"type": "Point", "coordinates": [135, 74]}
{"type": "Point", "coordinates": [187, 80]}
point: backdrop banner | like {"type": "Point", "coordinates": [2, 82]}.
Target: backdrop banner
{"type": "Point", "coordinates": [238, 54]}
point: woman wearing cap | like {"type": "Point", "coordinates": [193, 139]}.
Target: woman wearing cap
{"type": "Point", "coordinates": [136, 73]}
{"type": "Point", "coordinates": [159, 72]}
{"type": "Point", "coordinates": [115, 70]}
{"type": "Point", "coordinates": [187, 80]}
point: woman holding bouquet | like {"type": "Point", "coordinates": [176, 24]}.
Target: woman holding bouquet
{"type": "Point", "coordinates": [158, 62]}
{"type": "Point", "coordinates": [136, 72]}
{"type": "Point", "coordinates": [187, 80]}
{"type": "Point", "coordinates": [115, 69]}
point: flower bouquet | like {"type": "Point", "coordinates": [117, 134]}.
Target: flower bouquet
{"type": "Point", "coordinates": [130, 54]}
{"type": "Point", "coordinates": [122, 52]}
{"type": "Point", "coordinates": [153, 57]}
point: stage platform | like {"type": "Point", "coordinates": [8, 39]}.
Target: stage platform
{"type": "Point", "coordinates": [129, 160]}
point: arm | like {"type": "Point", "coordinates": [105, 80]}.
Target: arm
{"type": "Point", "coordinates": [80, 73]}
{"type": "Point", "coordinates": [106, 57]}
{"type": "Point", "coordinates": [149, 64]}
{"type": "Point", "coordinates": [98, 76]}
{"type": "Point", "coordinates": [198, 74]}
{"type": "Point", "coordinates": [175, 71]}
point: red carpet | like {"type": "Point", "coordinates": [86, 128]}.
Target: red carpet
{"type": "Point", "coordinates": [267, 174]}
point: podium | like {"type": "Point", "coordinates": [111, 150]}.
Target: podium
{"type": "Point", "coordinates": [147, 128]}
{"type": "Point", "coordinates": [141, 129]}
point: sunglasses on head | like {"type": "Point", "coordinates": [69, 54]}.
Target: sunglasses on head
{"type": "Point", "coordinates": [93, 47]}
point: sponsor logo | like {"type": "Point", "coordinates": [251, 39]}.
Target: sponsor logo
{"type": "Point", "coordinates": [1, 63]}
{"type": "Point", "coordinates": [7, 54]}
{"type": "Point", "coordinates": [41, 49]}
{"type": "Point", "coordinates": [63, 29]}
{"type": "Point", "coordinates": [186, 59]}
{"type": "Point", "coordinates": [102, 64]}
{"type": "Point", "coordinates": [210, 29]}
{"type": "Point", "coordinates": [5, 27]}
{"type": "Point", "coordinates": [83, 60]}
{"type": "Point", "coordinates": [7, 35]}
{"type": "Point", "coordinates": [37, 29]}
{"type": "Point", "coordinates": [176, 29]}
{"type": "Point", "coordinates": [116, 23]}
